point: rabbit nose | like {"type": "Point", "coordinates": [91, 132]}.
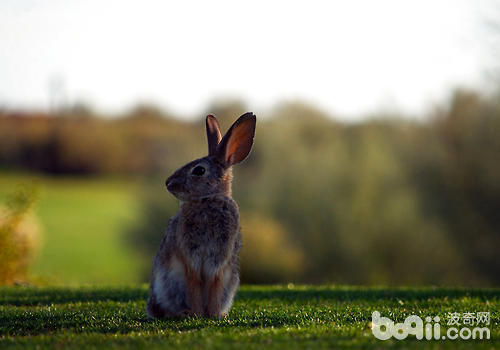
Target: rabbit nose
{"type": "Point", "coordinates": [173, 184]}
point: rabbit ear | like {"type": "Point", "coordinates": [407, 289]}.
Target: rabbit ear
{"type": "Point", "coordinates": [213, 134]}
{"type": "Point", "coordinates": [238, 141]}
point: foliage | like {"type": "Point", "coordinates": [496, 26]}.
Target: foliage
{"type": "Point", "coordinates": [268, 256]}
{"type": "Point", "coordinates": [458, 179]}
{"type": "Point", "coordinates": [19, 235]}
{"type": "Point", "coordinates": [321, 317]}
{"type": "Point", "coordinates": [387, 200]}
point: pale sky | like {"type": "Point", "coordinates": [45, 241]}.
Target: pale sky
{"type": "Point", "coordinates": [349, 58]}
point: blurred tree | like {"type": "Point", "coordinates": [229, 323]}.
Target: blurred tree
{"type": "Point", "coordinates": [461, 184]}
{"type": "Point", "coordinates": [268, 255]}
{"type": "Point", "coordinates": [381, 201]}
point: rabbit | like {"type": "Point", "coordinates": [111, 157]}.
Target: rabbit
{"type": "Point", "coordinates": [196, 269]}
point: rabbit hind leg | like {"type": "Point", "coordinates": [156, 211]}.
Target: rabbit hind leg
{"type": "Point", "coordinates": [169, 295]}
{"type": "Point", "coordinates": [231, 281]}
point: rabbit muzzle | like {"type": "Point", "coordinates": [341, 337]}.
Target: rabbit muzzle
{"type": "Point", "coordinates": [174, 185]}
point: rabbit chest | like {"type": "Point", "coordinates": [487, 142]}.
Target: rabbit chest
{"type": "Point", "coordinates": [207, 230]}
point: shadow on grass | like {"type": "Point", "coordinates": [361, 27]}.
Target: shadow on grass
{"type": "Point", "coordinates": [34, 323]}
{"type": "Point", "coordinates": [30, 296]}
{"type": "Point", "coordinates": [366, 294]}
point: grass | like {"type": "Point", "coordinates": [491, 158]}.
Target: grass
{"type": "Point", "coordinates": [83, 220]}
{"type": "Point", "coordinates": [272, 317]}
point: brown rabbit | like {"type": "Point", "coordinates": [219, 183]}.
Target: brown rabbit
{"type": "Point", "coordinates": [195, 271]}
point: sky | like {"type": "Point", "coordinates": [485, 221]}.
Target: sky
{"type": "Point", "coordinates": [349, 58]}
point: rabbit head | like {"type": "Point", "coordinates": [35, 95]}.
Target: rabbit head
{"type": "Point", "coordinates": [211, 175]}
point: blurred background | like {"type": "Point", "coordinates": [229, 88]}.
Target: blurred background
{"type": "Point", "coordinates": [376, 158]}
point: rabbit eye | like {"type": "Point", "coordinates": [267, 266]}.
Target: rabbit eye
{"type": "Point", "coordinates": [198, 171]}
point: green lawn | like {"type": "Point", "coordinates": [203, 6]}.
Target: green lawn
{"type": "Point", "coordinates": [83, 221]}
{"type": "Point", "coordinates": [274, 317]}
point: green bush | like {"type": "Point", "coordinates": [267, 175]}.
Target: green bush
{"type": "Point", "coordinates": [19, 235]}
